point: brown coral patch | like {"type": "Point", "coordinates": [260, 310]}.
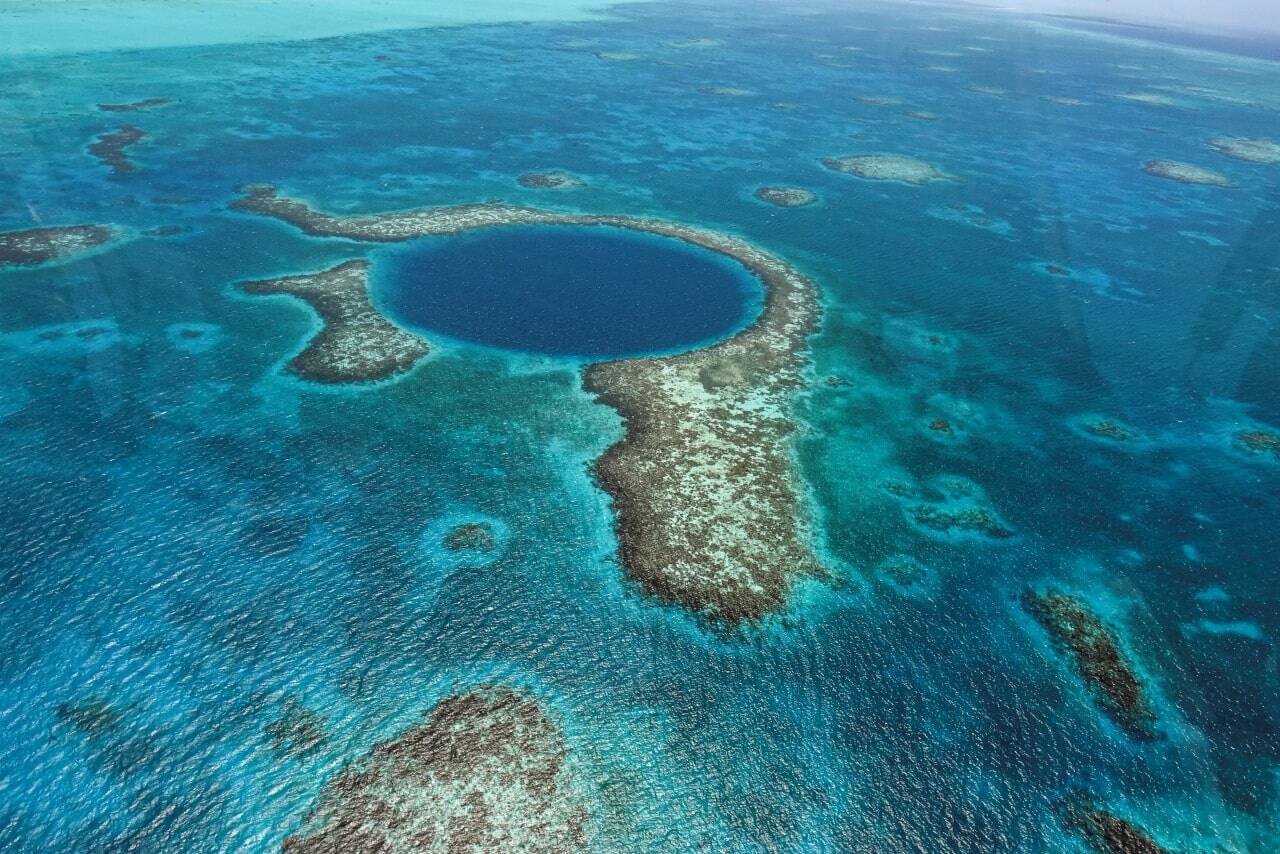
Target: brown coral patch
{"type": "Point", "coordinates": [111, 149]}
{"type": "Point", "coordinates": [1098, 657]}
{"type": "Point", "coordinates": [486, 771]}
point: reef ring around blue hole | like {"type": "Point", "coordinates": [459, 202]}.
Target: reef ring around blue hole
{"type": "Point", "coordinates": [596, 292]}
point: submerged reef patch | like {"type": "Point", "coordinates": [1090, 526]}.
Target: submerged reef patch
{"type": "Point", "coordinates": [488, 770]}
{"type": "Point", "coordinates": [1105, 832]}
{"type": "Point", "coordinates": [110, 149]}
{"type": "Point", "coordinates": [33, 246]}
{"type": "Point", "coordinates": [950, 508]}
{"type": "Point", "coordinates": [193, 337]}
{"type": "Point", "coordinates": [727, 91]}
{"type": "Point", "coordinates": [960, 519]}
{"type": "Point", "coordinates": [297, 733]}
{"type": "Point", "coordinates": [1264, 151]}
{"type": "Point", "coordinates": [1153, 99]}
{"type": "Point", "coordinates": [91, 716]}
{"type": "Point", "coordinates": [135, 106]}
{"type": "Point", "coordinates": [886, 167]}
{"type": "Point", "coordinates": [906, 574]}
{"type": "Point", "coordinates": [1104, 428]}
{"type": "Point", "coordinates": [970, 214]}
{"type": "Point", "coordinates": [550, 181]}
{"type": "Point", "coordinates": [274, 536]}
{"type": "Point", "coordinates": [471, 537]}
{"type": "Point", "coordinates": [357, 344]}
{"type": "Point", "coordinates": [1186, 173]}
{"type": "Point", "coordinates": [786, 197]}
{"type": "Point", "coordinates": [1098, 657]}
{"type": "Point", "coordinates": [710, 513]}
{"type": "Point", "coordinates": [71, 339]}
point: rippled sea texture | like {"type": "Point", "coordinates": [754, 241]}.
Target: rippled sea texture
{"type": "Point", "coordinates": [1038, 374]}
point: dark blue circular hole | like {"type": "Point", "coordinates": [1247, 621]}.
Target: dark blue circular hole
{"type": "Point", "coordinates": [596, 292]}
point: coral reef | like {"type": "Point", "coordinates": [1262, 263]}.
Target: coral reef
{"type": "Point", "coordinates": [1250, 150]}
{"type": "Point", "coordinates": [1105, 832]}
{"type": "Point", "coordinates": [1186, 173]}
{"type": "Point", "coordinates": [550, 181]}
{"type": "Point", "coordinates": [1258, 441]}
{"type": "Point", "coordinates": [470, 537]}
{"type": "Point", "coordinates": [357, 344]}
{"type": "Point", "coordinates": [974, 519]}
{"type": "Point", "coordinates": [727, 91]}
{"type": "Point", "coordinates": [1100, 661]}
{"type": "Point", "coordinates": [274, 536]}
{"type": "Point", "coordinates": [486, 771]}
{"type": "Point", "coordinates": [91, 716]}
{"type": "Point", "coordinates": [710, 515]}
{"type": "Point", "coordinates": [886, 167]}
{"type": "Point", "coordinates": [297, 733]}
{"type": "Point", "coordinates": [34, 246]}
{"type": "Point", "coordinates": [786, 197]}
{"type": "Point", "coordinates": [135, 106]}
{"type": "Point", "coordinates": [905, 574]}
{"type": "Point", "coordinates": [1106, 429]}
{"type": "Point", "coordinates": [1150, 98]}
{"type": "Point", "coordinates": [110, 149]}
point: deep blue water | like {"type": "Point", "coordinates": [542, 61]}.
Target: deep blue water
{"type": "Point", "coordinates": [195, 539]}
{"type": "Point", "coordinates": [569, 291]}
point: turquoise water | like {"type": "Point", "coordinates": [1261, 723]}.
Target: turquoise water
{"type": "Point", "coordinates": [194, 538]}
{"type": "Point", "coordinates": [589, 292]}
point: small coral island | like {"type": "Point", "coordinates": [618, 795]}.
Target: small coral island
{"type": "Point", "coordinates": [357, 344]}
{"type": "Point", "coordinates": [1250, 150]}
{"type": "Point", "coordinates": [1186, 173]}
{"type": "Point", "coordinates": [487, 771]}
{"type": "Point", "coordinates": [786, 197]}
{"type": "Point", "coordinates": [1098, 657]}
{"type": "Point", "coordinates": [550, 181]}
{"type": "Point", "coordinates": [34, 246]}
{"type": "Point", "coordinates": [710, 514]}
{"type": "Point", "coordinates": [886, 167]}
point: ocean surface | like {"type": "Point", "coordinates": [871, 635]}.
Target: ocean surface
{"type": "Point", "coordinates": [192, 541]}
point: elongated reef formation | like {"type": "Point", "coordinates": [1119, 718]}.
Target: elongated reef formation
{"type": "Point", "coordinates": [1098, 658]}
{"type": "Point", "coordinates": [710, 512]}
{"type": "Point", "coordinates": [550, 181]}
{"type": "Point", "coordinates": [357, 344]}
{"type": "Point", "coordinates": [1249, 150]}
{"type": "Point", "coordinates": [486, 771]}
{"type": "Point", "coordinates": [134, 106]}
{"type": "Point", "coordinates": [32, 246]}
{"type": "Point", "coordinates": [886, 167]}
{"type": "Point", "coordinates": [1186, 173]}
{"type": "Point", "coordinates": [110, 148]}
{"type": "Point", "coordinates": [1105, 832]}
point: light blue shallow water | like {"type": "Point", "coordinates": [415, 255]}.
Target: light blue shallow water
{"type": "Point", "coordinates": [194, 539]}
